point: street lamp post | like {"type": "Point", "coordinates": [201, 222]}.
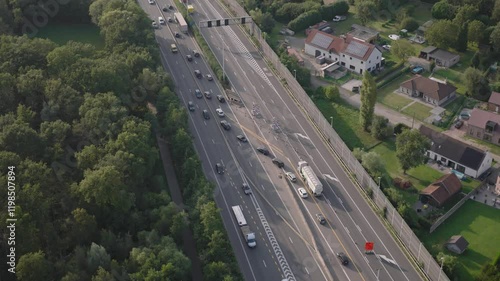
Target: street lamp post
{"type": "Point", "coordinates": [331, 121]}
{"type": "Point", "coordinates": [379, 178]}
{"type": "Point", "coordinates": [442, 261]}
{"type": "Point", "coordinates": [295, 72]}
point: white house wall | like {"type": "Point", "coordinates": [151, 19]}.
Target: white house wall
{"type": "Point", "coordinates": [468, 171]}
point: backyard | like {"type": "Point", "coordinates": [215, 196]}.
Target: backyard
{"type": "Point", "coordinates": [479, 224]}
{"type": "Point", "coordinates": [62, 33]}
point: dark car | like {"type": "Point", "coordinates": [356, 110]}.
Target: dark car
{"type": "Point", "coordinates": [170, 7]}
{"type": "Point", "coordinates": [189, 57]}
{"type": "Point", "coordinates": [320, 219]}
{"type": "Point", "coordinates": [196, 54]}
{"type": "Point", "coordinates": [263, 150]}
{"type": "Point", "coordinates": [205, 114]}
{"type": "Point", "coordinates": [343, 258]}
{"type": "Point", "coordinates": [484, 175]}
{"type": "Point", "coordinates": [197, 73]}
{"type": "Point", "coordinates": [165, 9]}
{"type": "Point", "coordinates": [208, 95]}
{"type": "Point", "coordinates": [219, 169]}
{"type": "Point", "coordinates": [242, 138]}
{"type": "Point", "coordinates": [459, 124]}
{"type": "Point", "coordinates": [190, 106]}
{"type": "Point", "coordinates": [177, 35]}
{"type": "Point", "coordinates": [246, 189]}
{"type": "Point", "coordinates": [221, 99]}
{"type": "Point", "coordinates": [278, 163]}
{"type": "Point", "coordinates": [198, 94]}
{"type": "Point", "coordinates": [225, 125]}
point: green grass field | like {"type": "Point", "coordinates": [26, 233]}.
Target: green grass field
{"type": "Point", "coordinates": [418, 110]}
{"type": "Point", "coordinates": [387, 97]}
{"type": "Point", "coordinates": [479, 224]}
{"type": "Point", "coordinates": [62, 33]}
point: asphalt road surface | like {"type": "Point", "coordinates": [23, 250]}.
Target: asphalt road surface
{"type": "Point", "coordinates": [290, 242]}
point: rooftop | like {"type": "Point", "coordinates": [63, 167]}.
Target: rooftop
{"type": "Point", "coordinates": [429, 87]}
{"type": "Point", "coordinates": [480, 118]}
{"type": "Point", "coordinates": [348, 45]}
{"type": "Point", "coordinates": [443, 188]}
{"type": "Point", "coordinates": [453, 149]}
{"type": "Point", "coordinates": [362, 32]}
{"type": "Point", "coordinates": [458, 240]}
{"type": "Point", "coordinates": [494, 98]}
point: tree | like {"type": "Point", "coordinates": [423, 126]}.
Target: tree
{"type": "Point", "coordinates": [495, 14]}
{"type": "Point", "coordinates": [103, 275]}
{"type": "Point", "coordinates": [461, 45]}
{"type": "Point", "coordinates": [373, 163]}
{"type": "Point", "coordinates": [358, 153]}
{"type": "Point", "coordinates": [365, 8]}
{"type": "Point", "coordinates": [449, 262]}
{"type": "Point", "coordinates": [465, 14]}
{"type": "Point", "coordinates": [331, 92]}
{"type": "Point", "coordinates": [215, 271]}
{"type": "Point", "coordinates": [442, 34]}
{"type": "Point", "coordinates": [490, 271]}
{"type": "Point", "coordinates": [495, 37]}
{"type": "Point", "coordinates": [7, 93]}
{"type": "Point", "coordinates": [97, 257]}
{"type": "Point", "coordinates": [267, 23]}
{"type": "Point", "coordinates": [475, 33]}
{"type": "Point", "coordinates": [443, 10]}
{"type": "Point", "coordinates": [402, 50]}
{"type": "Point", "coordinates": [410, 149]}
{"type": "Point", "coordinates": [368, 100]}
{"type": "Point", "coordinates": [409, 24]}
{"type": "Point", "coordinates": [476, 84]}
{"type": "Point", "coordinates": [33, 267]}
{"type": "Point", "coordinates": [380, 128]}
{"type": "Point", "coordinates": [210, 219]}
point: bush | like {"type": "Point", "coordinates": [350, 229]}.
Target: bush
{"type": "Point", "coordinates": [338, 8]}
{"type": "Point", "coordinates": [398, 129]}
{"type": "Point", "coordinates": [409, 24]}
{"type": "Point", "coordinates": [305, 20]}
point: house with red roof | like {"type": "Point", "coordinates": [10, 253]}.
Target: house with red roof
{"type": "Point", "coordinates": [429, 90]}
{"type": "Point", "coordinates": [348, 51]}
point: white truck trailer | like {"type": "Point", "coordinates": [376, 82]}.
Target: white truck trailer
{"type": "Point", "coordinates": [312, 181]}
{"type": "Point", "coordinates": [245, 229]}
{"type": "Point", "coordinates": [182, 23]}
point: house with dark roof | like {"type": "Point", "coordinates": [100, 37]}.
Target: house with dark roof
{"type": "Point", "coordinates": [484, 125]}
{"type": "Point", "coordinates": [351, 53]}
{"type": "Point", "coordinates": [429, 90]}
{"type": "Point", "coordinates": [440, 191]}
{"type": "Point", "coordinates": [455, 154]}
{"type": "Point", "coordinates": [441, 57]}
{"type": "Point", "coordinates": [457, 244]}
{"type": "Point", "coordinates": [494, 102]}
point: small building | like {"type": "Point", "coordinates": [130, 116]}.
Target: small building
{"type": "Point", "coordinates": [353, 54]}
{"type": "Point", "coordinates": [292, 52]}
{"type": "Point", "coordinates": [494, 102]}
{"type": "Point", "coordinates": [484, 125]}
{"type": "Point", "coordinates": [429, 90]}
{"type": "Point", "coordinates": [441, 57]}
{"type": "Point", "coordinates": [363, 33]}
{"type": "Point", "coordinates": [457, 244]}
{"type": "Point", "coordinates": [455, 154]}
{"type": "Point", "coordinates": [440, 191]}
{"type": "Point", "coordinates": [318, 26]}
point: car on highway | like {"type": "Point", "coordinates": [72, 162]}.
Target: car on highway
{"type": "Point", "coordinates": [291, 176]}
{"type": "Point", "coordinates": [242, 138]}
{"type": "Point", "coordinates": [225, 125]}
{"type": "Point", "coordinates": [154, 24]}
{"type": "Point", "coordinates": [209, 77]}
{"type": "Point", "coordinates": [302, 192]}
{"type": "Point", "coordinates": [207, 95]}
{"type": "Point", "coordinates": [220, 112]}
{"type": "Point", "coordinates": [205, 114]}
{"type": "Point", "coordinates": [197, 73]}
{"type": "Point", "coordinates": [161, 20]}
{"type": "Point", "coordinates": [320, 219]}
{"type": "Point", "coordinates": [343, 258]}
{"type": "Point", "coordinates": [394, 37]}
{"type": "Point", "coordinates": [165, 8]}
{"type": "Point", "coordinates": [246, 189]}
{"type": "Point", "coordinates": [190, 106]}
{"type": "Point", "coordinates": [189, 57]}
{"type": "Point", "coordinates": [263, 150]}
{"type": "Point", "coordinates": [198, 94]}
{"type": "Point", "coordinates": [278, 163]}
{"type": "Point", "coordinates": [219, 169]}
{"type": "Point", "coordinates": [196, 54]}
{"type": "Point", "coordinates": [169, 19]}
{"type": "Point", "coordinates": [151, 2]}
{"type": "Point", "coordinates": [170, 7]}
{"type": "Point", "coordinates": [221, 98]}
{"type": "Point", "coordinates": [177, 35]}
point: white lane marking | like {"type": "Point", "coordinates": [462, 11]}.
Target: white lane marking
{"type": "Point", "coordinates": [330, 177]}
{"type": "Point", "coordinates": [249, 162]}
{"type": "Point", "coordinates": [213, 141]}
{"type": "Point", "coordinates": [305, 268]}
{"type": "Point", "coordinates": [263, 187]}
{"type": "Point", "coordinates": [264, 262]}
{"type": "Point", "coordinates": [290, 239]}
{"type": "Point", "coordinates": [272, 101]}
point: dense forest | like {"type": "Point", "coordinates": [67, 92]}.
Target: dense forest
{"type": "Point", "coordinates": [78, 130]}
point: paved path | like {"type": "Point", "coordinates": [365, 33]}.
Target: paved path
{"type": "Point", "coordinates": [175, 192]}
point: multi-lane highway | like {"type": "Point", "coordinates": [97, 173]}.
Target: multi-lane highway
{"type": "Point", "coordinates": [290, 241]}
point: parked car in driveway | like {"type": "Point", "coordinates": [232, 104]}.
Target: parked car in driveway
{"type": "Point", "coordinates": [387, 47]}
{"type": "Point", "coordinates": [394, 37]}
{"type": "Point", "coordinates": [459, 124]}
{"type": "Point", "coordinates": [339, 18]}
{"type": "Point", "coordinates": [417, 70]}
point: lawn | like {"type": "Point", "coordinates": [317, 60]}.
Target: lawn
{"type": "Point", "coordinates": [452, 76]}
{"type": "Point", "coordinates": [479, 224]}
{"type": "Point", "coordinates": [62, 33]}
{"type": "Point", "coordinates": [493, 148]}
{"type": "Point", "coordinates": [345, 123]}
{"type": "Point", "coordinates": [418, 110]}
{"type": "Point", "coordinates": [386, 95]}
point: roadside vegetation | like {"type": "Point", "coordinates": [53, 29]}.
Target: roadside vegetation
{"type": "Point", "coordinates": [79, 123]}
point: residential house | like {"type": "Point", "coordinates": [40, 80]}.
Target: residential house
{"type": "Point", "coordinates": [457, 244]}
{"type": "Point", "coordinates": [351, 53]}
{"type": "Point", "coordinates": [363, 33]}
{"type": "Point", "coordinates": [440, 191]}
{"type": "Point", "coordinates": [441, 57]}
{"type": "Point", "coordinates": [494, 102]}
{"type": "Point", "coordinates": [455, 154]}
{"type": "Point", "coordinates": [484, 125]}
{"type": "Point", "coordinates": [429, 90]}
